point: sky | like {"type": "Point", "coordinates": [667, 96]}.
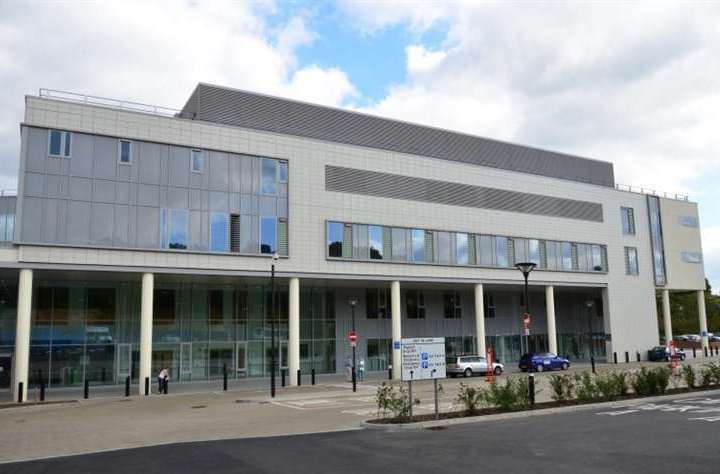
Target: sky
{"type": "Point", "coordinates": [634, 83]}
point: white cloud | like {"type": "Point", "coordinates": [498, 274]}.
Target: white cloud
{"type": "Point", "coordinates": [420, 60]}
{"type": "Point", "coordinates": [152, 52]}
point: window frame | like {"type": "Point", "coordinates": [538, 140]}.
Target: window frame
{"type": "Point", "coordinates": [260, 240]}
{"type": "Point", "coordinates": [629, 270]}
{"type": "Point", "coordinates": [120, 152]}
{"type": "Point", "coordinates": [65, 143]}
{"type": "Point", "coordinates": [627, 218]}
{"type": "Point", "coordinates": [193, 152]}
{"type": "Point", "coordinates": [276, 176]}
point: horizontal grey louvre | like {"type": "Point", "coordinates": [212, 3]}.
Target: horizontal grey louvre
{"type": "Point", "coordinates": [255, 111]}
{"type": "Point", "coordinates": [372, 183]}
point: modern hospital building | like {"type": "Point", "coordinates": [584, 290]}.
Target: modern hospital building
{"type": "Point", "coordinates": [141, 237]}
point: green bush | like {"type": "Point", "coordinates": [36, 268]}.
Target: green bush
{"type": "Point", "coordinates": [651, 381]}
{"type": "Point", "coordinates": [390, 399]}
{"type": "Point", "coordinates": [710, 374]}
{"type": "Point", "coordinates": [561, 387]}
{"type": "Point", "coordinates": [688, 375]}
{"type": "Point", "coordinates": [471, 398]}
{"type": "Point", "coordinates": [585, 387]}
{"type": "Point", "coordinates": [513, 394]}
{"type": "Point", "coordinates": [621, 383]}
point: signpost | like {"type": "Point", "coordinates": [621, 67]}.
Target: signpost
{"type": "Point", "coordinates": [352, 337]}
{"type": "Point", "coordinates": [423, 358]}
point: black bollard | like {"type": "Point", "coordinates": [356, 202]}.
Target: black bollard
{"type": "Point", "coordinates": [282, 378]}
{"type": "Point", "coordinates": [389, 372]}
{"type": "Point", "coordinates": [312, 376]}
{"type": "Point", "coordinates": [86, 391]}
{"type": "Point", "coordinates": [592, 363]}
{"type": "Point", "coordinates": [147, 386]}
{"type": "Point", "coordinates": [299, 377]}
{"type": "Point", "coordinates": [127, 386]}
{"type": "Point", "coordinates": [20, 392]}
{"type": "Point", "coordinates": [637, 356]}
{"type": "Point", "coordinates": [705, 349]}
{"type": "Point", "coordinates": [615, 357]}
{"type": "Point", "coordinates": [694, 354]}
{"type": "Point", "coordinates": [627, 357]}
{"type": "Point", "coordinates": [165, 386]}
{"type": "Point", "coordinates": [225, 377]}
{"type": "Point", "coordinates": [102, 377]}
{"type": "Point", "coordinates": [531, 388]}
{"type": "Point", "coordinates": [42, 391]}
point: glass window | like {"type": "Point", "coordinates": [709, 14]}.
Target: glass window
{"type": "Point", "coordinates": [631, 261]}
{"type": "Point", "coordinates": [628, 220]}
{"type": "Point", "coordinates": [377, 303]}
{"type": "Point", "coordinates": [486, 247]}
{"type": "Point", "coordinates": [283, 172]}
{"type": "Point", "coordinates": [219, 232]}
{"type": "Point", "coordinates": [520, 247]}
{"type": "Point", "coordinates": [335, 239]}
{"type": "Point", "coordinates": [174, 228]}
{"type": "Point", "coordinates": [656, 240]}
{"type": "Point", "coordinates": [489, 302]}
{"type": "Point", "coordinates": [502, 258]}
{"type": "Point", "coordinates": [597, 259]}
{"type": "Point", "coordinates": [235, 237]}
{"type": "Point", "coordinates": [283, 244]}
{"type": "Point", "coordinates": [461, 249]}
{"type": "Point", "coordinates": [59, 143]}
{"type": "Point", "coordinates": [125, 152]}
{"type": "Point", "coordinates": [566, 255]}
{"type": "Point", "coordinates": [582, 257]}
{"type": "Point", "coordinates": [692, 257]}
{"type": "Point", "coordinates": [551, 254]}
{"type": "Point", "coordinates": [269, 176]}
{"type": "Point", "coordinates": [689, 221]}
{"type": "Point", "coordinates": [452, 308]}
{"type": "Point", "coordinates": [534, 252]}
{"type": "Point", "coordinates": [268, 235]}
{"type": "Point", "coordinates": [415, 303]}
{"type": "Point", "coordinates": [399, 244]}
{"type": "Point", "coordinates": [375, 237]}
{"type": "Point", "coordinates": [197, 161]}
{"type": "Point", "coordinates": [444, 248]}
{"type": "Point", "coordinates": [360, 241]}
{"type": "Point", "coordinates": [418, 245]}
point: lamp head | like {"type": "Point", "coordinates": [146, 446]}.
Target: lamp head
{"type": "Point", "coordinates": [276, 256]}
{"type": "Point", "coordinates": [525, 267]}
{"type": "Point", "coordinates": [352, 301]}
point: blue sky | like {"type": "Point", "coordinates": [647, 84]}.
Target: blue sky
{"type": "Point", "coordinates": [632, 83]}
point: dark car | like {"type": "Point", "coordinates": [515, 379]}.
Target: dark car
{"type": "Point", "coordinates": [543, 361]}
{"type": "Point", "coordinates": [662, 354]}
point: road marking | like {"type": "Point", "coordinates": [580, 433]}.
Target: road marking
{"type": "Point", "coordinates": [616, 413]}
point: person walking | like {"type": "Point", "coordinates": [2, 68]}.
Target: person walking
{"type": "Point", "coordinates": [361, 369]}
{"type": "Point", "coordinates": [163, 377]}
{"type": "Point", "coordinates": [348, 369]}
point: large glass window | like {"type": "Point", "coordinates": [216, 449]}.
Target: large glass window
{"type": "Point", "coordinates": [417, 237]}
{"type": "Point", "coordinates": [551, 255]}
{"type": "Point", "coordinates": [461, 249]}
{"type": "Point", "coordinates": [283, 172]}
{"type": "Point", "coordinates": [335, 239]}
{"type": "Point", "coordinates": [486, 247]}
{"type": "Point", "coordinates": [631, 261]}
{"type": "Point", "coordinates": [520, 248]}
{"type": "Point", "coordinates": [125, 152]}
{"type": "Point", "coordinates": [377, 306]}
{"type": "Point", "coordinates": [597, 258]}
{"type": "Point", "coordinates": [269, 176]}
{"type": "Point", "coordinates": [174, 228]}
{"type": "Point", "coordinates": [444, 248]}
{"type": "Point", "coordinates": [219, 232]}
{"type": "Point", "coordinates": [197, 161]}
{"type": "Point", "coordinates": [502, 259]}
{"type": "Point", "coordinates": [656, 240]}
{"type": "Point", "coordinates": [566, 256]}
{"type": "Point", "coordinates": [375, 237]}
{"type": "Point", "coordinates": [59, 143]}
{"type": "Point", "coordinates": [534, 252]}
{"type": "Point", "coordinates": [452, 307]}
{"type": "Point", "coordinates": [268, 235]}
{"type": "Point", "coordinates": [399, 244]}
{"type": "Point", "coordinates": [415, 303]}
{"type": "Point", "coordinates": [582, 257]}
{"type": "Point", "coordinates": [628, 220]}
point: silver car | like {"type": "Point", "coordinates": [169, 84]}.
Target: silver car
{"type": "Point", "coordinates": [470, 365]}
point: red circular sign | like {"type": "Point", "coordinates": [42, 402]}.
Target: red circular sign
{"type": "Point", "coordinates": [526, 319]}
{"type": "Point", "coordinates": [352, 336]}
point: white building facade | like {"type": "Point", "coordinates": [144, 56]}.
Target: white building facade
{"type": "Point", "coordinates": [142, 238]}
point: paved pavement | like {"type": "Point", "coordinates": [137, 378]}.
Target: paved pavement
{"type": "Point", "coordinates": [31, 432]}
{"type": "Point", "coordinates": [661, 437]}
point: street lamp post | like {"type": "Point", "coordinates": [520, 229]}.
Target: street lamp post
{"type": "Point", "coordinates": [589, 305]}
{"type": "Point", "coordinates": [275, 257]}
{"type": "Point", "coordinates": [526, 268]}
{"type": "Point", "coordinates": [352, 301]}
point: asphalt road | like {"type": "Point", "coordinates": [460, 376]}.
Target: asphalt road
{"type": "Point", "coordinates": [678, 436]}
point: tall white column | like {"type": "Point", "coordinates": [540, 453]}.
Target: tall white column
{"type": "Point", "coordinates": [667, 321]}
{"type": "Point", "coordinates": [480, 319]}
{"type": "Point", "coordinates": [550, 310]}
{"type": "Point", "coordinates": [22, 335]}
{"type": "Point", "coordinates": [702, 315]}
{"type": "Point", "coordinates": [294, 330]}
{"type": "Point", "coordinates": [396, 329]}
{"type": "Point", "coordinates": [146, 327]}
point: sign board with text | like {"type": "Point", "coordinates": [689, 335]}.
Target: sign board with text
{"type": "Point", "coordinates": [423, 358]}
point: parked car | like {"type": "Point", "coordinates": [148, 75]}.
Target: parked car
{"type": "Point", "coordinates": [543, 361]}
{"type": "Point", "coordinates": [662, 354]}
{"type": "Point", "coordinates": [469, 365]}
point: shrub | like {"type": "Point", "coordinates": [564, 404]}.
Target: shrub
{"type": "Point", "coordinates": [585, 387]}
{"type": "Point", "coordinates": [710, 374]}
{"type": "Point", "coordinates": [513, 394]}
{"type": "Point", "coordinates": [622, 385]}
{"type": "Point", "coordinates": [651, 381]}
{"type": "Point", "coordinates": [393, 400]}
{"type": "Point", "coordinates": [561, 387]}
{"type": "Point", "coordinates": [688, 374]}
{"type": "Point", "coordinates": [471, 398]}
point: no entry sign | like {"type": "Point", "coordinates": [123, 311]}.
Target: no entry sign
{"type": "Point", "coordinates": [526, 320]}
{"type": "Point", "coordinates": [352, 337]}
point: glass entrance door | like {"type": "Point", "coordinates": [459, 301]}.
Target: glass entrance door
{"type": "Point", "coordinates": [123, 362]}
{"type": "Point", "coordinates": [241, 360]}
{"type": "Point", "coordinates": [186, 361]}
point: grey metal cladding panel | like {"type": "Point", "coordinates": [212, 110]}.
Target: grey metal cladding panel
{"type": "Point", "coordinates": [8, 204]}
{"type": "Point", "coordinates": [394, 186]}
{"type": "Point", "coordinates": [244, 109]}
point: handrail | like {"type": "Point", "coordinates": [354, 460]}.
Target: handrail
{"type": "Point", "coordinates": [107, 102]}
{"type": "Point", "coordinates": [652, 192]}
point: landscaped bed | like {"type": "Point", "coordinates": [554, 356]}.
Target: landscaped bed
{"type": "Point", "coordinates": [566, 390]}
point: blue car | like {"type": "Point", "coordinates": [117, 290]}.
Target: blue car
{"type": "Point", "coordinates": [542, 362]}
